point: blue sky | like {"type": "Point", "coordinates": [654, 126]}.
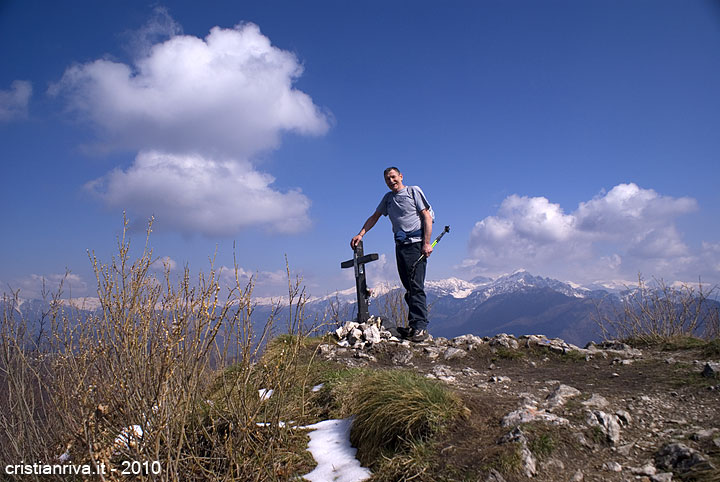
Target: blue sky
{"type": "Point", "coordinates": [578, 140]}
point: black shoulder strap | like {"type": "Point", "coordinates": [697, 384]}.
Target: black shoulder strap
{"type": "Point", "coordinates": [412, 192]}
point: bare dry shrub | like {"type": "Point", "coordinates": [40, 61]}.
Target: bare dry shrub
{"type": "Point", "coordinates": [656, 312]}
{"type": "Point", "coordinates": [337, 312]}
{"type": "Point", "coordinates": [131, 381]}
{"type": "Point", "coordinates": [394, 307]}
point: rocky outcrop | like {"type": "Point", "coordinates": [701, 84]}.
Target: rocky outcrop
{"type": "Point", "coordinates": [597, 398]}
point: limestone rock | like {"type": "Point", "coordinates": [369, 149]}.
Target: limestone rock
{"type": "Point", "coordinates": [432, 352]}
{"type": "Point", "coordinates": [469, 342]}
{"type": "Point", "coordinates": [505, 340]}
{"type": "Point", "coordinates": [711, 370]}
{"type": "Point", "coordinates": [529, 461]}
{"type": "Point", "coordinates": [371, 334]}
{"type": "Point", "coordinates": [596, 401]}
{"type": "Point", "coordinates": [402, 357]}
{"type": "Point", "coordinates": [704, 434]}
{"type": "Point", "coordinates": [355, 336]}
{"type": "Point", "coordinates": [624, 418]}
{"type": "Point", "coordinates": [561, 395]}
{"type": "Point", "coordinates": [454, 354]}
{"type": "Point", "coordinates": [662, 477]}
{"type": "Point", "coordinates": [343, 331]}
{"type": "Point", "coordinates": [494, 476]}
{"type": "Point", "coordinates": [530, 413]}
{"type": "Point", "coordinates": [499, 379]}
{"type": "Point", "coordinates": [647, 469]}
{"type": "Point", "coordinates": [444, 373]}
{"type": "Point", "coordinates": [680, 457]}
{"type": "Point", "coordinates": [615, 349]}
{"type": "Point", "coordinates": [608, 424]}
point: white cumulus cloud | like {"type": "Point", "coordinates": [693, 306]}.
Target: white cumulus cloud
{"type": "Point", "coordinates": [228, 94]}
{"type": "Point", "coordinates": [616, 234]}
{"type": "Point", "coordinates": [194, 193]}
{"type": "Point", "coordinates": [199, 112]}
{"type": "Point", "coordinates": [14, 102]}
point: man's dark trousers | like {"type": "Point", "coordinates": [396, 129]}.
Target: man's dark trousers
{"type": "Point", "coordinates": [406, 255]}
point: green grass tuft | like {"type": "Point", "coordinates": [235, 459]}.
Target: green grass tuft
{"type": "Point", "coordinates": [507, 459]}
{"type": "Point", "coordinates": [395, 408]}
{"type": "Point", "coordinates": [712, 348]}
{"type": "Point", "coordinates": [543, 445]}
{"type": "Point", "coordinates": [508, 354]}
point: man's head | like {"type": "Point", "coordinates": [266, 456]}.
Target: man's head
{"type": "Point", "coordinates": [393, 179]}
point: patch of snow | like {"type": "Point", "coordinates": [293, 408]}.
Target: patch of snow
{"type": "Point", "coordinates": [270, 300]}
{"type": "Point", "coordinates": [381, 289]}
{"type": "Point", "coordinates": [335, 457]}
{"type": "Point", "coordinates": [615, 285]}
{"type": "Point", "coordinates": [86, 303]}
{"type": "Point", "coordinates": [265, 393]}
{"type": "Point", "coordinates": [455, 287]}
{"type": "Point", "coordinates": [461, 293]}
{"type": "Point", "coordinates": [128, 436]}
{"type": "Point", "coordinates": [350, 294]}
{"type": "Point", "coordinates": [281, 424]}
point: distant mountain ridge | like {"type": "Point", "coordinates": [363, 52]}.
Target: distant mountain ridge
{"type": "Point", "coordinates": [518, 303]}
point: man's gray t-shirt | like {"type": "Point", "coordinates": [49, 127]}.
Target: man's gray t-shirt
{"type": "Point", "coordinates": [404, 208]}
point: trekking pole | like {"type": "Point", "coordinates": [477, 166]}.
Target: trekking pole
{"type": "Point", "coordinates": [446, 230]}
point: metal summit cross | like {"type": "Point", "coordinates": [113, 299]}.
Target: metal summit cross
{"type": "Point", "coordinates": [358, 262]}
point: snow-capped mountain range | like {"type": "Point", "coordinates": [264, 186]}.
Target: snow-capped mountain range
{"type": "Point", "coordinates": [486, 288]}
{"type": "Point", "coordinates": [518, 303]}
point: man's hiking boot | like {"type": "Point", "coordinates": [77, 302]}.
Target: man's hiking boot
{"type": "Point", "coordinates": [412, 334]}
{"type": "Point", "coordinates": [418, 336]}
{"type": "Point", "coordinates": [404, 331]}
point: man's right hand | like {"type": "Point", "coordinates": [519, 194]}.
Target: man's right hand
{"type": "Point", "coordinates": [354, 241]}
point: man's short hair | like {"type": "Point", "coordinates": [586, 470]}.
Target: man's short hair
{"type": "Point", "coordinates": [391, 168]}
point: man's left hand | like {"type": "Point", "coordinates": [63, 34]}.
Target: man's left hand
{"type": "Point", "coordinates": [427, 249]}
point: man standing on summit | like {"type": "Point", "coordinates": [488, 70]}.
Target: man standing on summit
{"type": "Point", "coordinates": [411, 217]}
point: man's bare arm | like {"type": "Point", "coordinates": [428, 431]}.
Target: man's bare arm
{"type": "Point", "coordinates": [426, 219]}
{"type": "Point", "coordinates": [366, 227]}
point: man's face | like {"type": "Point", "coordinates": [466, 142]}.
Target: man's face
{"type": "Point", "coordinates": [393, 179]}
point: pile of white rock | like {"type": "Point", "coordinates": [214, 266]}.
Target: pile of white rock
{"type": "Point", "coordinates": [360, 335]}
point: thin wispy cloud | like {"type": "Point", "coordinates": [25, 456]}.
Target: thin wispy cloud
{"type": "Point", "coordinates": [38, 286]}
{"type": "Point", "coordinates": [15, 100]}
{"type": "Point", "coordinates": [199, 111]}
{"type": "Point", "coordinates": [165, 263]}
{"type": "Point", "coordinates": [381, 271]}
{"type": "Point", "coordinates": [614, 235]}
{"type": "Point", "coordinates": [159, 28]}
{"type": "Point", "coordinates": [265, 283]}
